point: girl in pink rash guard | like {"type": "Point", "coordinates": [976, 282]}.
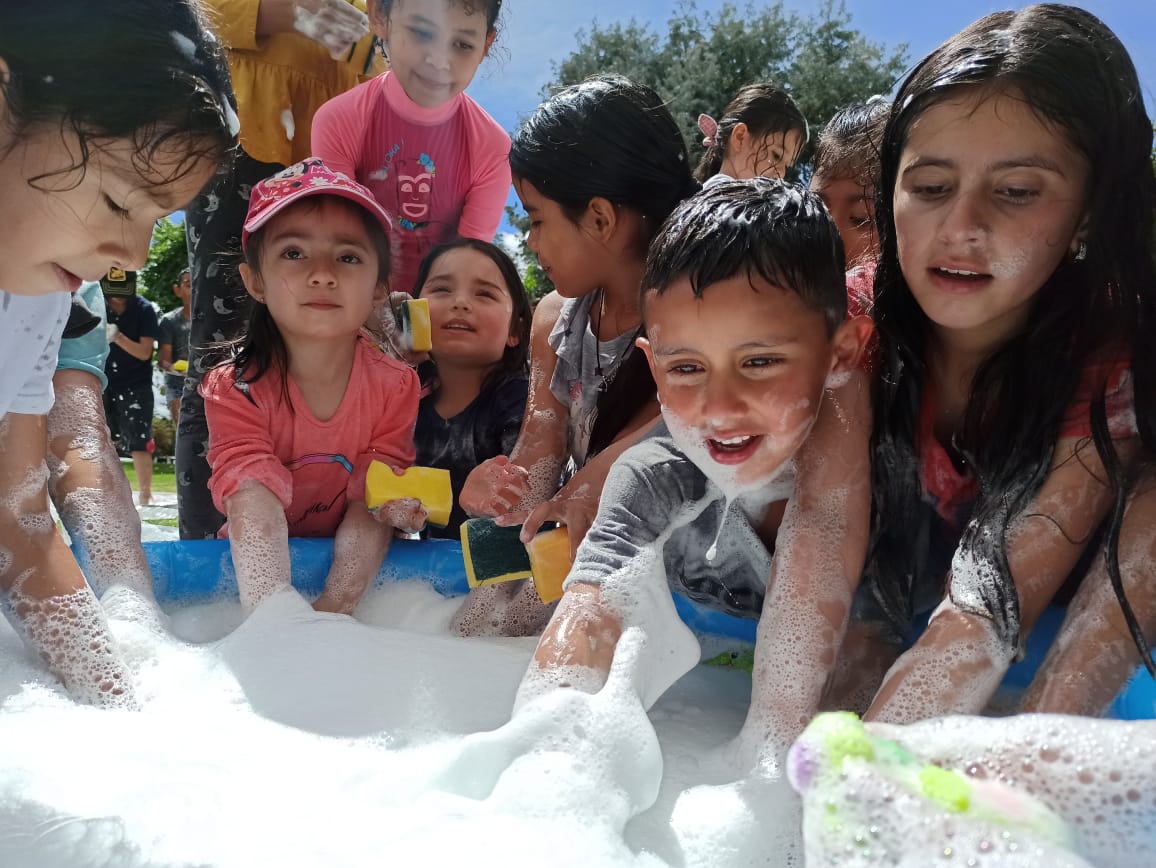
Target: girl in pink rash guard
{"type": "Point", "coordinates": [431, 155]}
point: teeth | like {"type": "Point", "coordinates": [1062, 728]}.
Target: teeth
{"type": "Point", "coordinates": [733, 441]}
{"type": "Point", "coordinates": [960, 272]}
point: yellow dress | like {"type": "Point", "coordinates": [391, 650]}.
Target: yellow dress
{"type": "Point", "coordinates": [281, 80]}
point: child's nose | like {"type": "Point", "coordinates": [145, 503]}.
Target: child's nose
{"type": "Point", "coordinates": [128, 248]}
{"type": "Point", "coordinates": [965, 219]}
{"type": "Point", "coordinates": [438, 58]}
{"type": "Point", "coordinates": [723, 399]}
{"type": "Point", "coordinates": [323, 274]}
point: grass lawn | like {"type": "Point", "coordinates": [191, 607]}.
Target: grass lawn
{"type": "Point", "coordinates": [164, 477]}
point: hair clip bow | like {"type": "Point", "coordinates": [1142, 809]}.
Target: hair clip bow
{"type": "Point", "coordinates": [709, 128]}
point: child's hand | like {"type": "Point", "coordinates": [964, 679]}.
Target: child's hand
{"type": "Point", "coordinates": [335, 24]}
{"type": "Point", "coordinates": [406, 514]}
{"type": "Point", "coordinates": [575, 510]}
{"type": "Point", "coordinates": [494, 487]}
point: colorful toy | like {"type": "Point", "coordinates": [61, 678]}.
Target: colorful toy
{"type": "Point", "coordinates": [180, 366]}
{"type": "Point", "coordinates": [495, 554]}
{"type": "Point", "coordinates": [430, 485]}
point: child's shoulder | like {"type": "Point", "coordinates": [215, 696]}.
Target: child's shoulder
{"type": "Point", "coordinates": [482, 122]}
{"type": "Point", "coordinates": [381, 366]}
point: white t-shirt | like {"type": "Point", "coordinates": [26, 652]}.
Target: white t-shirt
{"type": "Point", "coordinates": [30, 329]}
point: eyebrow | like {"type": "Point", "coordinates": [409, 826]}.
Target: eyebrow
{"type": "Point", "coordinates": [768, 343]}
{"type": "Point", "coordinates": [1033, 161]}
{"type": "Point", "coordinates": [446, 275]}
{"type": "Point", "coordinates": [293, 235]}
{"type": "Point", "coordinates": [418, 18]}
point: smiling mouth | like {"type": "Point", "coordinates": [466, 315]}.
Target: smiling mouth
{"type": "Point", "coordinates": [960, 274]}
{"type": "Point", "coordinates": [457, 327]}
{"type": "Point", "coordinates": [733, 450]}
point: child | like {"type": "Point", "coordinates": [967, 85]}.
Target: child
{"type": "Point", "coordinates": [761, 133]}
{"type": "Point", "coordinates": [846, 172]}
{"type": "Point", "coordinates": [480, 317]}
{"type": "Point", "coordinates": [590, 231]}
{"type": "Point", "coordinates": [98, 140]}
{"type": "Point", "coordinates": [1015, 298]}
{"type": "Point", "coordinates": [431, 155]}
{"type": "Point", "coordinates": [746, 315]}
{"type": "Point", "coordinates": [173, 345]}
{"type": "Point", "coordinates": [308, 401]}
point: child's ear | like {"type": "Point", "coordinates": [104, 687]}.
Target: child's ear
{"type": "Point", "coordinates": [644, 344]}
{"type": "Point", "coordinates": [739, 140]}
{"type": "Point", "coordinates": [380, 292]}
{"type": "Point", "coordinates": [378, 20]}
{"type": "Point", "coordinates": [601, 218]}
{"type": "Point", "coordinates": [850, 342]}
{"type": "Point", "coordinates": [252, 281]}
{"type": "Point", "coordinates": [490, 37]}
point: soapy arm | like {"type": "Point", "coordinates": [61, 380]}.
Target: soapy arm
{"type": "Point", "coordinates": [48, 600]}
{"type": "Point", "coordinates": [359, 547]}
{"type": "Point", "coordinates": [961, 658]}
{"type": "Point", "coordinates": [530, 475]}
{"type": "Point", "coordinates": [819, 554]}
{"type": "Point", "coordinates": [259, 542]}
{"type": "Point", "coordinates": [1094, 653]}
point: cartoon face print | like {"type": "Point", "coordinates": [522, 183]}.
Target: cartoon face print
{"type": "Point", "coordinates": [415, 190]}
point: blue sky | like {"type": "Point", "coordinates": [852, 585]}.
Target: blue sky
{"type": "Point", "coordinates": [537, 33]}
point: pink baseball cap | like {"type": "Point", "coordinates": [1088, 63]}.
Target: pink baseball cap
{"type": "Point", "coordinates": [308, 178]}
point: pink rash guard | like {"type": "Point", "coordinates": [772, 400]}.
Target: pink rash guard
{"type": "Point", "coordinates": [314, 468]}
{"type": "Point", "coordinates": [439, 172]}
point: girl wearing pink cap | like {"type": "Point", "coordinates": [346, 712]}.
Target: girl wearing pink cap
{"type": "Point", "coordinates": [306, 400]}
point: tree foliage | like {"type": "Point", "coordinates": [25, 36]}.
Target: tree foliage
{"type": "Point", "coordinates": [168, 256]}
{"type": "Point", "coordinates": [703, 58]}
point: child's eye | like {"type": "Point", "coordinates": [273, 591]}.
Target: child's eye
{"type": "Point", "coordinates": [465, 47]}
{"type": "Point", "coordinates": [487, 294]}
{"type": "Point", "coordinates": [114, 208]}
{"type": "Point", "coordinates": [292, 253]}
{"type": "Point", "coordinates": [1018, 194]}
{"type": "Point", "coordinates": [685, 369]}
{"type": "Point", "coordinates": [763, 361]}
{"type": "Point", "coordinates": [421, 35]}
{"type": "Point", "coordinates": [349, 258]}
{"type": "Point", "coordinates": [434, 290]}
{"type": "Point", "coordinates": [929, 191]}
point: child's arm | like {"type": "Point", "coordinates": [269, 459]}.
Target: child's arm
{"type": "Point", "coordinates": [819, 554]}
{"type": "Point", "coordinates": [338, 133]}
{"type": "Point", "coordinates": [489, 188]}
{"type": "Point", "coordinates": [1094, 653]}
{"type": "Point", "coordinates": [258, 541]}
{"type": "Point", "coordinates": [530, 475]}
{"type": "Point", "coordinates": [56, 611]}
{"type": "Point", "coordinates": [963, 655]}
{"type": "Point", "coordinates": [359, 548]}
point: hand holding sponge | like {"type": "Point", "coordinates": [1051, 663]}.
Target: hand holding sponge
{"type": "Point", "coordinates": [430, 485]}
{"type": "Point", "coordinates": [495, 554]}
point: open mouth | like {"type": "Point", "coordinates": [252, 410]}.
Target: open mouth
{"type": "Point", "coordinates": [733, 450]}
{"type": "Point", "coordinates": [457, 326]}
{"type": "Point", "coordinates": [960, 275]}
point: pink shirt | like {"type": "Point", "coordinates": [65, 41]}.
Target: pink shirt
{"type": "Point", "coordinates": [439, 172]}
{"type": "Point", "coordinates": [314, 468]}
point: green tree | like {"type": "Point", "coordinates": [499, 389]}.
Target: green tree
{"type": "Point", "coordinates": [168, 257]}
{"type": "Point", "coordinates": [703, 58]}
{"type": "Point", "coordinates": [533, 276]}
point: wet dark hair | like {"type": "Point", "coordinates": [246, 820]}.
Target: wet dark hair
{"type": "Point", "coordinates": [492, 8]}
{"type": "Point", "coordinates": [1077, 77]}
{"type": "Point", "coordinates": [150, 71]}
{"type": "Point", "coordinates": [849, 145]}
{"type": "Point", "coordinates": [514, 360]}
{"type": "Point", "coordinates": [606, 137]}
{"type": "Point", "coordinates": [761, 226]}
{"type": "Point", "coordinates": [261, 348]}
{"type": "Point", "coordinates": [611, 138]}
{"type": "Point", "coordinates": [765, 108]}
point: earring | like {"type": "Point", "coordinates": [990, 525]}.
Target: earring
{"type": "Point", "coordinates": [1081, 252]}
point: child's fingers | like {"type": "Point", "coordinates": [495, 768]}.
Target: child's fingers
{"type": "Point", "coordinates": [406, 513]}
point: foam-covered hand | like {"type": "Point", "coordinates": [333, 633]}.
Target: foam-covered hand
{"type": "Point", "coordinates": [405, 514]}
{"type": "Point", "coordinates": [573, 509]}
{"type": "Point", "coordinates": [598, 750]}
{"type": "Point", "coordinates": [111, 331]}
{"type": "Point", "coordinates": [335, 24]}
{"type": "Point", "coordinates": [494, 487]}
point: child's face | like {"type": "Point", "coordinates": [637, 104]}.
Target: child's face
{"type": "Point", "coordinates": [319, 270]}
{"type": "Point", "coordinates": [852, 207]}
{"type": "Point", "coordinates": [566, 250]}
{"type": "Point", "coordinates": [769, 156]}
{"type": "Point", "coordinates": [469, 308]}
{"type": "Point", "coordinates": [988, 201]}
{"type": "Point", "coordinates": [61, 227]}
{"type": "Point", "coordinates": [435, 47]}
{"type": "Point", "coordinates": [740, 373]}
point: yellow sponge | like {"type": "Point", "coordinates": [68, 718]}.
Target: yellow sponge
{"type": "Point", "coordinates": [180, 366]}
{"type": "Point", "coordinates": [495, 554]}
{"type": "Point", "coordinates": [550, 562]}
{"type": "Point", "coordinates": [416, 332]}
{"type": "Point", "coordinates": [430, 485]}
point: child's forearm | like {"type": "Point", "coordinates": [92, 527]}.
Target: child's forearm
{"type": "Point", "coordinates": [259, 541]}
{"type": "Point", "coordinates": [359, 547]}
{"type": "Point", "coordinates": [56, 610]}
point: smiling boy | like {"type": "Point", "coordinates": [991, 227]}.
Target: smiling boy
{"type": "Point", "coordinates": [740, 499]}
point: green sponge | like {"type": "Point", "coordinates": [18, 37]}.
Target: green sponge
{"type": "Point", "coordinates": [493, 554]}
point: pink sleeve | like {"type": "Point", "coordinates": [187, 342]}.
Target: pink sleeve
{"type": "Point", "coordinates": [489, 187]}
{"type": "Point", "coordinates": [338, 132]}
{"type": "Point", "coordinates": [392, 440]}
{"type": "Point", "coordinates": [240, 442]}
{"type": "Point", "coordinates": [1119, 402]}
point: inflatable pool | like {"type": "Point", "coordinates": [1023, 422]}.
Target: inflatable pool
{"type": "Point", "coordinates": [198, 570]}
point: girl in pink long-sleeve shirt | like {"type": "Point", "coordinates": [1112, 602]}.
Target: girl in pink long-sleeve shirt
{"type": "Point", "coordinates": [431, 155]}
{"type": "Point", "coordinates": [307, 401]}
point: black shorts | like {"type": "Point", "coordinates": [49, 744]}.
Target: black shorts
{"type": "Point", "coordinates": [130, 416]}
